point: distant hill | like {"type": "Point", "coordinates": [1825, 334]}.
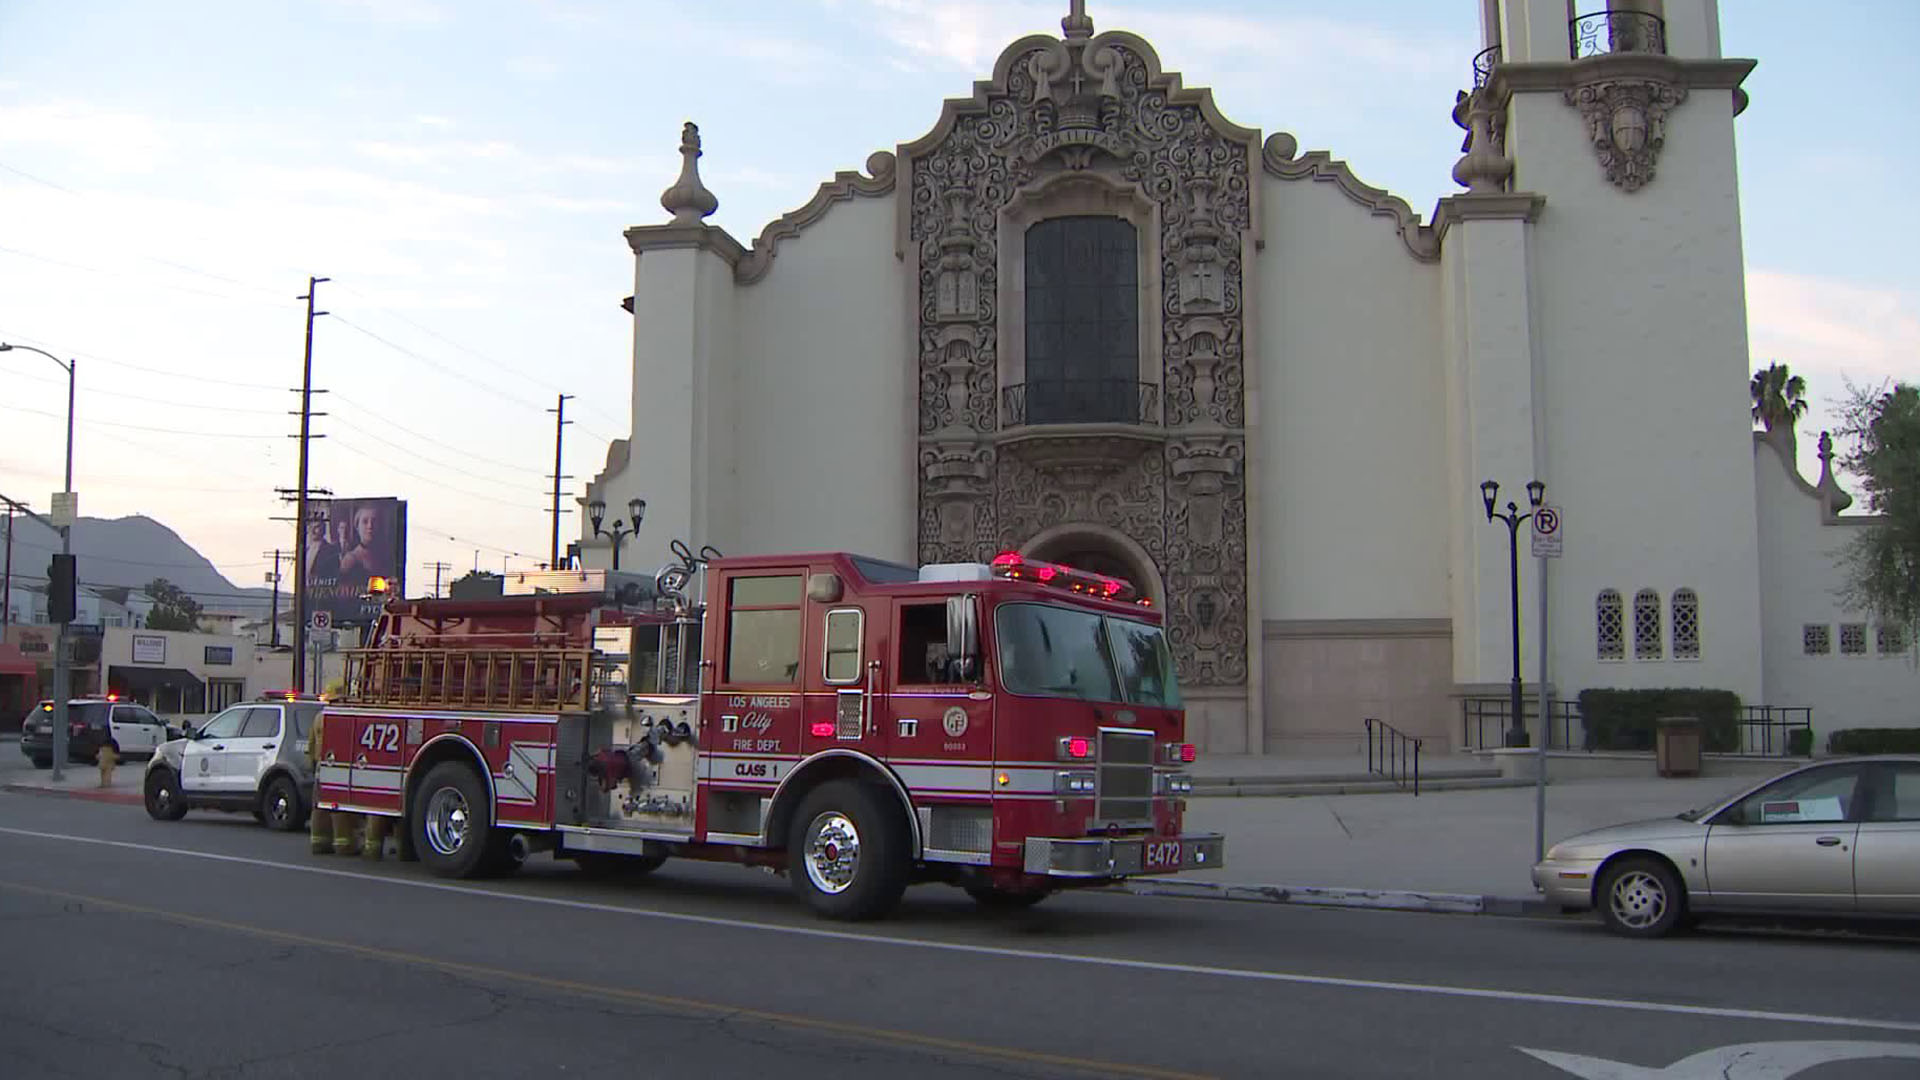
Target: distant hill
{"type": "Point", "coordinates": [127, 553]}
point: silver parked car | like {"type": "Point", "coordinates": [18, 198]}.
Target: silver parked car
{"type": "Point", "coordinates": [252, 757]}
{"type": "Point", "coordinates": [1835, 838]}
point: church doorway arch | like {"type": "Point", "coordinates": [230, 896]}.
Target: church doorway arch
{"type": "Point", "coordinates": [1099, 549]}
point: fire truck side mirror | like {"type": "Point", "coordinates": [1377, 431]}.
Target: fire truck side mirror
{"type": "Point", "coordinates": [963, 635]}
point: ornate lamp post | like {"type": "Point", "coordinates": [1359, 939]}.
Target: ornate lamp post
{"type": "Point", "coordinates": [621, 531]}
{"type": "Point", "coordinates": [1536, 494]}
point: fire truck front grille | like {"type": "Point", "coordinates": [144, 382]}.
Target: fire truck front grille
{"type": "Point", "coordinates": [1126, 777]}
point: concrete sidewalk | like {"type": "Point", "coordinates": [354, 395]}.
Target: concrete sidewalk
{"type": "Point", "coordinates": [79, 781]}
{"type": "Point", "coordinates": [1457, 851]}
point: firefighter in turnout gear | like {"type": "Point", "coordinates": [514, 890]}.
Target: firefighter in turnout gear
{"type": "Point", "coordinates": [330, 832]}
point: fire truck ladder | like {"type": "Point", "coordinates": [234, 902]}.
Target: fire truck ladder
{"type": "Point", "coordinates": [488, 680]}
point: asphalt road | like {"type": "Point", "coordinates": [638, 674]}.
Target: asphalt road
{"type": "Point", "coordinates": [211, 947]}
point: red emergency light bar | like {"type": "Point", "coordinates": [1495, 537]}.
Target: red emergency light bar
{"type": "Point", "coordinates": [1013, 565]}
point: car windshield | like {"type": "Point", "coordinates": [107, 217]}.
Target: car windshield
{"type": "Point", "coordinates": [1049, 651]}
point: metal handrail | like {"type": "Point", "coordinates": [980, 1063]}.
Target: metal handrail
{"type": "Point", "coordinates": [484, 680]}
{"type": "Point", "coordinates": [1079, 401]}
{"type": "Point", "coordinates": [1484, 62]}
{"type": "Point", "coordinates": [1393, 749]}
{"type": "Point", "coordinates": [1484, 723]}
{"type": "Point", "coordinates": [1616, 30]}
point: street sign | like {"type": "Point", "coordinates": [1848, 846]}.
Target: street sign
{"type": "Point", "coordinates": [1546, 532]}
{"type": "Point", "coordinates": [66, 508]}
{"type": "Point", "coordinates": [322, 620]}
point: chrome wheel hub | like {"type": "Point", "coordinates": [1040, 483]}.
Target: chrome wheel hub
{"type": "Point", "coordinates": [448, 821]}
{"type": "Point", "coordinates": [832, 852]}
{"type": "Point", "coordinates": [1638, 899]}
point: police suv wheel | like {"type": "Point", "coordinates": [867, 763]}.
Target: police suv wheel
{"type": "Point", "coordinates": [280, 808]}
{"type": "Point", "coordinates": [451, 822]}
{"type": "Point", "coordinates": [162, 796]}
{"type": "Point", "coordinates": [847, 851]}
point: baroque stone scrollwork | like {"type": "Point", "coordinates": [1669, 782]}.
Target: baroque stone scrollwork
{"type": "Point", "coordinates": [1175, 483]}
{"type": "Point", "coordinates": [1626, 122]}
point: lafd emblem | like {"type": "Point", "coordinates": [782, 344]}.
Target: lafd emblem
{"type": "Point", "coordinates": [955, 722]}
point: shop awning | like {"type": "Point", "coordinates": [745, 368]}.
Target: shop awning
{"type": "Point", "coordinates": [140, 680]}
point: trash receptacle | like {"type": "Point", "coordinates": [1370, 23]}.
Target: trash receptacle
{"type": "Point", "coordinates": [1677, 746]}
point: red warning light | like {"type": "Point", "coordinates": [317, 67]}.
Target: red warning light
{"type": "Point", "coordinates": [822, 730]}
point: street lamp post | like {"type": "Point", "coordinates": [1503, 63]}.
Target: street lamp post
{"type": "Point", "coordinates": [1513, 518]}
{"type": "Point", "coordinates": [597, 511]}
{"type": "Point", "coordinates": [62, 675]}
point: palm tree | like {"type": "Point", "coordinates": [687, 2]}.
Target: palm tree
{"type": "Point", "coordinates": [1778, 395]}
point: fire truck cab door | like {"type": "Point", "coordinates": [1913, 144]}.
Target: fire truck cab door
{"type": "Point", "coordinates": [939, 718]}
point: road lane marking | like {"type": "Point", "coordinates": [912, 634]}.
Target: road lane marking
{"type": "Point", "coordinates": [1005, 952]}
{"type": "Point", "coordinates": [601, 991]}
{"type": "Point", "coordinates": [1748, 1061]}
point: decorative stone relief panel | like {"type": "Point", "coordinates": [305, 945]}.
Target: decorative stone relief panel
{"type": "Point", "coordinates": [1097, 106]}
{"type": "Point", "coordinates": [1627, 122]}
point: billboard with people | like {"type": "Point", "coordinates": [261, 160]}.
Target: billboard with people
{"type": "Point", "coordinates": [350, 542]}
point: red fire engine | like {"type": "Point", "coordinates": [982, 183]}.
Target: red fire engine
{"type": "Point", "coordinates": [1013, 728]}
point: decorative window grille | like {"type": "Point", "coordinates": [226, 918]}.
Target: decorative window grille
{"type": "Point", "coordinates": [1083, 321]}
{"type": "Point", "coordinates": [1647, 643]}
{"type": "Point", "coordinates": [1609, 629]}
{"type": "Point", "coordinates": [1853, 639]}
{"type": "Point", "coordinates": [1891, 639]}
{"type": "Point", "coordinates": [1816, 639]}
{"type": "Point", "coordinates": [1686, 625]}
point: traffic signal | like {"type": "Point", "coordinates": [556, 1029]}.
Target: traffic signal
{"type": "Point", "coordinates": [62, 599]}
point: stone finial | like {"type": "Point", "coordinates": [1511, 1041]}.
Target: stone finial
{"type": "Point", "coordinates": [1832, 495]}
{"type": "Point", "coordinates": [688, 200]}
{"type": "Point", "coordinates": [1484, 169]}
{"type": "Point", "coordinates": [1077, 25]}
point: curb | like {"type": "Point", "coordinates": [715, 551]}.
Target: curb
{"type": "Point", "coordinates": [1286, 789]}
{"type": "Point", "coordinates": [1326, 896]}
{"type": "Point", "coordinates": [124, 798]}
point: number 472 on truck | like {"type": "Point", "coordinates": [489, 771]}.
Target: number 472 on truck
{"type": "Point", "coordinates": [1012, 728]}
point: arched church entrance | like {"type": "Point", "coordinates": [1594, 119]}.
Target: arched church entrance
{"type": "Point", "coordinates": [1101, 550]}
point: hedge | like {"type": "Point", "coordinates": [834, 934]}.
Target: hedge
{"type": "Point", "coordinates": [1874, 740]}
{"type": "Point", "coordinates": [1628, 719]}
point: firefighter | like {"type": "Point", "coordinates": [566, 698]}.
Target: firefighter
{"type": "Point", "coordinates": [335, 832]}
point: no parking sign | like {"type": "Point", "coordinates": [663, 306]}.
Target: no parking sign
{"type": "Point", "coordinates": [1546, 532]}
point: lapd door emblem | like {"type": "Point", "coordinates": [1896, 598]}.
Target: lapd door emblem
{"type": "Point", "coordinates": [955, 722]}
{"type": "Point", "coordinates": [203, 764]}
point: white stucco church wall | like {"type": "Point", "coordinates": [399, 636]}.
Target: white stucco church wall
{"type": "Point", "coordinates": [1280, 415]}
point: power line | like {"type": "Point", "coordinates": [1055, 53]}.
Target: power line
{"type": "Point", "coordinates": [403, 429]}
{"type": "Point", "coordinates": [145, 399]}
{"type": "Point", "coordinates": [415, 455]}
{"type": "Point", "coordinates": [142, 427]}
{"type": "Point", "coordinates": [140, 562]}
{"type": "Point", "coordinates": [463, 377]}
{"type": "Point", "coordinates": [496, 549]}
{"type": "Point", "coordinates": [235, 597]}
{"type": "Point", "coordinates": [144, 279]}
{"type": "Point", "coordinates": [191, 376]}
{"type": "Point", "coordinates": [417, 476]}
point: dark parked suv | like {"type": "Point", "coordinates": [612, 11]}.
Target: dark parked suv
{"type": "Point", "coordinates": [129, 728]}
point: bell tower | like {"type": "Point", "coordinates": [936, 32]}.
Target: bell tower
{"type": "Point", "coordinates": [1617, 377]}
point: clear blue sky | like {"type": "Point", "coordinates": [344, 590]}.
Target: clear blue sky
{"type": "Point", "coordinates": [170, 173]}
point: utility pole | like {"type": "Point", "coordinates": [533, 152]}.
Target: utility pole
{"type": "Point", "coordinates": [306, 392]}
{"type": "Point", "coordinates": [6, 590]}
{"type": "Point", "coordinates": [439, 568]}
{"type": "Point", "coordinates": [273, 621]}
{"type": "Point", "coordinates": [560, 423]}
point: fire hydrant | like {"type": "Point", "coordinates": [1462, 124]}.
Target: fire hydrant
{"type": "Point", "coordinates": [107, 759]}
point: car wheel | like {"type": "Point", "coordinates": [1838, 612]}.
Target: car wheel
{"type": "Point", "coordinates": [280, 805]}
{"type": "Point", "coordinates": [847, 852]}
{"type": "Point", "coordinates": [1001, 900]}
{"type": "Point", "coordinates": [1642, 897]}
{"type": "Point", "coordinates": [162, 796]}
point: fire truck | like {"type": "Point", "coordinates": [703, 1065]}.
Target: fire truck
{"type": "Point", "coordinates": [1012, 728]}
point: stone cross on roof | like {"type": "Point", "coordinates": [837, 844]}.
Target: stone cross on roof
{"type": "Point", "coordinates": [1077, 25]}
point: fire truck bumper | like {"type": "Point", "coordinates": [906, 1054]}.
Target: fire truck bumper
{"type": "Point", "coordinates": [1124, 856]}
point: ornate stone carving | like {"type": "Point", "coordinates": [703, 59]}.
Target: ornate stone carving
{"type": "Point", "coordinates": [688, 200]}
{"type": "Point", "coordinates": [1485, 168]}
{"type": "Point", "coordinates": [1627, 123]}
{"type": "Point", "coordinates": [1093, 105]}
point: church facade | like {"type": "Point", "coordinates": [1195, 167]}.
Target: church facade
{"type": "Point", "coordinates": [1090, 318]}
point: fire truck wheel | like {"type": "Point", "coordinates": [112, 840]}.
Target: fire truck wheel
{"type": "Point", "coordinates": [163, 796]}
{"type": "Point", "coordinates": [452, 823]}
{"type": "Point", "coordinates": [847, 852]}
{"type": "Point", "coordinates": [1001, 900]}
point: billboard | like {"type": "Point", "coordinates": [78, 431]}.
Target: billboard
{"type": "Point", "coordinates": [348, 542]}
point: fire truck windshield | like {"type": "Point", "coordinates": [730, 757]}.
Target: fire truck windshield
{"type": "Point", "coordinates": [1050, 651]}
